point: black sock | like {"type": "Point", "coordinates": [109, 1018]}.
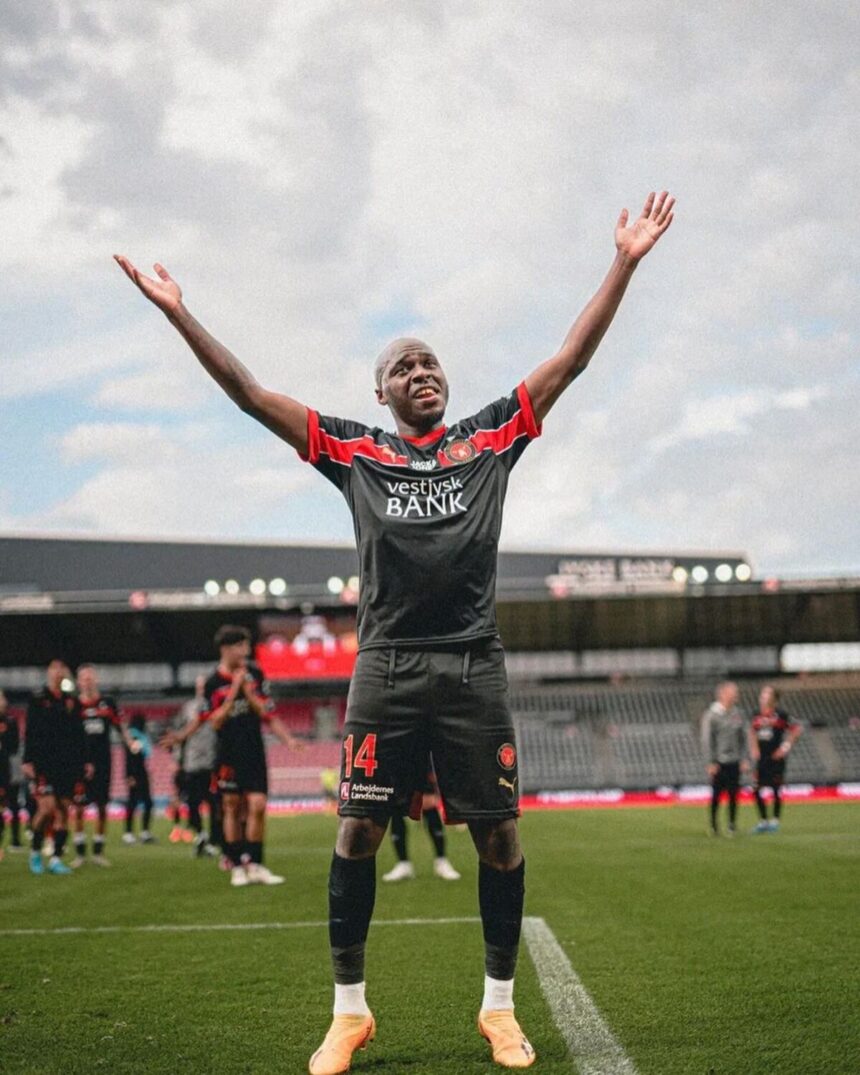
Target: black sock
{"type": "Point", "coordinates": [98, 845]}
{"type": "Point", "coordinates": [37, 840]}
{"type": "Point", "coordinates": [233, 851]}
{"type": "Point", "coordinates": [433, 820]}
{"type": "Point", "coordinates": [398, 837]}
{"type": "Point", "coordinates": [759, 801]}
{"type": "Point", "coordinates": [351, 896]}
{"type": "Point", "coordinates": [500, 895]}
{"type": "Point", "coordinates": [777, 803]}
{"type": "Point", "coordinates": [733, 808]}
{"type": "Point", "coordinates": [715, 803]}
{"type": "Point", "coordinates": [60, 842]}
{"type": "Point", "coordinates": [255, 850]}
{"type": "Point", "coordinates": [80, 844]}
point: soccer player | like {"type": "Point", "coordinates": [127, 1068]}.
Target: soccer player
{"type": "Point", "coordinates": [138, 748]}
{"type": "Point", "coordinates": [724, 748]}
{"type": "Point", "coordinates": [199, 757]}
{"type": "Point", "coordinates": [237, 707]}
{"type": "Point", "coordinates": [55, 761]}
{"type": "Point", "coordinates": [426, 504]}
{"type": "Point", "coordinates": [100, 716]}
{"type": "Point", "coordinates": [772, 734]}
{"type": "Point", "coordinates": [8, 748]}
{"type": "Point", "coordinates": [403, 870]}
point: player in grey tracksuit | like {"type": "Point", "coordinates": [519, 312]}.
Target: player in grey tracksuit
{"type": "Point", "coordinates": [724, 746]}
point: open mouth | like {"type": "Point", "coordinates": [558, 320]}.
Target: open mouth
{"type": "Point", "coordinates": [426, 393]}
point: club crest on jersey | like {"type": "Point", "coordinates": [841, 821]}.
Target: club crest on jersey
{"type": "Point", "coordinates": [344, 790]}
{"type": "Point", "coordinates": [507, 756]}
{"type": "Point", "coordinates": [459, 451]}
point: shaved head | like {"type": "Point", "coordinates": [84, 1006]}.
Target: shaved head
{"type": "Point", "coordinates": [397, 349]}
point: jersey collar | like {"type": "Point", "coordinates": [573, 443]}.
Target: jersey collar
{"type": "Point", "coordinates": [428, 438]}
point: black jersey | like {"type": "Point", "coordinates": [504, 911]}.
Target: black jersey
{"type": "Point", "coordinates": [54, 741]}
{"type": "Point", "coordinates": [98, 716]}
{"type": "Point", "coordinates": [240, 737]}
{"type": "Point", "coordinates": [427, 513]}
{"type": "Point", "coordinates": [769, 729]}
{"type": "Point", "coordinates": [8, 746]}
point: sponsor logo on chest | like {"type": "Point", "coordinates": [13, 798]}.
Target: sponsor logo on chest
{"type": "Point", "coordinates": [424, 498]}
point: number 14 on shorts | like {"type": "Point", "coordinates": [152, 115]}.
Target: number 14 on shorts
{"type": "Point", "coordinates": [364, 758]}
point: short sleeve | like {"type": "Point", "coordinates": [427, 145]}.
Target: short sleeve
{"type": "Point", "coordinates": [332, 445]}
{"type": "Point", "coordinates": [504, 427]}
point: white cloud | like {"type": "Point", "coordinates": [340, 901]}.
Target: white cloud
{"type": "Point", "coordinates": [301, 167]}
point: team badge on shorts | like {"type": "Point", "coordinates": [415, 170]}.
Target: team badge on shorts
{"type": "Point", "coordinates": [507, 756]}
{"type": "Point", "coordinates": [460, 451]}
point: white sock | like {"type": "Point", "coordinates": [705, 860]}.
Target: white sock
{"type": "Point", "coordinates": [349, 999]}
{"type": "Point", "coordinates": [498, 996]}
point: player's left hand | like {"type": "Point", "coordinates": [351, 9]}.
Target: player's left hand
{"type": "Point", "coordinates": [635, 240]}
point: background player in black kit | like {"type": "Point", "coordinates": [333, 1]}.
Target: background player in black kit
{"type": "Point", "coordinates": [8, 748]}
{"type": "Point", "coordinates": [237, 707]}
{"type": "Point", "coordinates": [55, 761]}
{"type": "Point", "coordinates": [772, 734]}
{"type": "Point", "coordinates": [99, 716]}
{"type": "Point", "coordinates": [426, 504]}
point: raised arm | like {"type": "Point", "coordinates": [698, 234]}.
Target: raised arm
{"type": "Point", "coordinates": [632, 243]}
{"type": "Point", "coordinates": [284, 416]}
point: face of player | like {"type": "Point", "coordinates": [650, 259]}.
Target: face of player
{"type": "Point", "coordinates": [766, 699]}
{"type": "Point", "coordinates": [729, 694]}
{"type": "Point", "coordinates": [57, 672]}
{"type": "Point", "coordinates": [88, 683]}
{"type": "Point", "coordinates": [416, 389]}
{"type": "Point", "coordinates": [235, 656]}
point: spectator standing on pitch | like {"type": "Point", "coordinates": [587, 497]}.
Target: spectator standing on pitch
{"type": "Point", "coordinates": [100, 717]}
{"type": "Point", "coordinates": [138, 748]}
{"type": "Point", "coordinates": [427, 507]}
{"type": "Point", "coordinates": [200, 751]}
{"type": "Point", "coordinates": [8, 749]}
{"type": "Point", "coordinates": [404, 870]}
{"type": "Point", "coordinates": [772, 734]}
{"type": "Point", "coordinates": [55, 761]}
{"type": "Point", "coordinates": [237, 706]}
{"type": "Point", "coordinates": [724, 749]}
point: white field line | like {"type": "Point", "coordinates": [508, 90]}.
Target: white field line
{"type": "Point", "coordinates": [225, 927]}
{"type": "Point", "coordinates": [590, 1041]}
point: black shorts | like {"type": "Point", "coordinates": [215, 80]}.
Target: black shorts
{"type": "Point", "coordinates": [243, 777]}
{"type": "Point", "coordinates": [97, 788]}
{"type": "Point", "coordinates": [728, 776]}
{"type": "Point", "coordinates": [405, 704]}
{"type": "Point", "coordinates": [770, 773]}
{"type": "Point", "coordinates": [180, 782]}
{"type": "Point", "coordinates": [198, 784]}
{"type": "Point", "coordinates": [62, 785]}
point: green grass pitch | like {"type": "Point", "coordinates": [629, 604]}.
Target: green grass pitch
{"type": "Point", "coordinates": [731, 957]}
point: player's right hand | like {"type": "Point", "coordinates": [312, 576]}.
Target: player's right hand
{"type": "Point", "coordinates": [165, 293]}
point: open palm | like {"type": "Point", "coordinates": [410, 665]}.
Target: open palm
{"type": "Point", "coordinates": [164, 292]}
{"type": "Point", "coordinates": [636, 240]}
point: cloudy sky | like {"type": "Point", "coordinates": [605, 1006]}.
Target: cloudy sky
{"type": "Point", "coordinates": [322, 175]}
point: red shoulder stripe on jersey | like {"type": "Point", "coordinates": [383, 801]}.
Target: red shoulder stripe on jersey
{"type": "Point", "coordinates": [344, 451]}
{"type": "Point", "coordinates": [313, 452]}
{"type": "Point", "coordinates": [521, 424]}
{"type": "Point", "coordinates": [525, 401]}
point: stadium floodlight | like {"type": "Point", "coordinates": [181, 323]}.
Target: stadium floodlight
{"type": "Point", "coordinates": [353, 583]}
{"type": "Point", "coordinates": [335, 585]}
{"type": "Point", "coordinates": [277, 587]}
{"type": "Point", "coordinates": [724, 573]}
{"type": "Point", "coordinates": [699, 573]}
{"type": "Point", "coordinates": [231, 586]}
{"type": "Point", "coordinates": [211, 587]}
{"type": "Point", "coordinates": [257, 587]}
{"type": "Point", "coordinates": [679, 574]}
{"type": "Point", "coordinates": [743, 572]}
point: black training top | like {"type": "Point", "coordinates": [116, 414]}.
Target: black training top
{"type": "Point", "coordinates": [240, 737]}
{"type": "Point", "coordinates": [427, 513]}
{"type": "Point", "coordinates": [98, 716]}
{"type": "Point", "coordinates": [769, 729]}
{"type": "Point", "coordinates": [54, 741]}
